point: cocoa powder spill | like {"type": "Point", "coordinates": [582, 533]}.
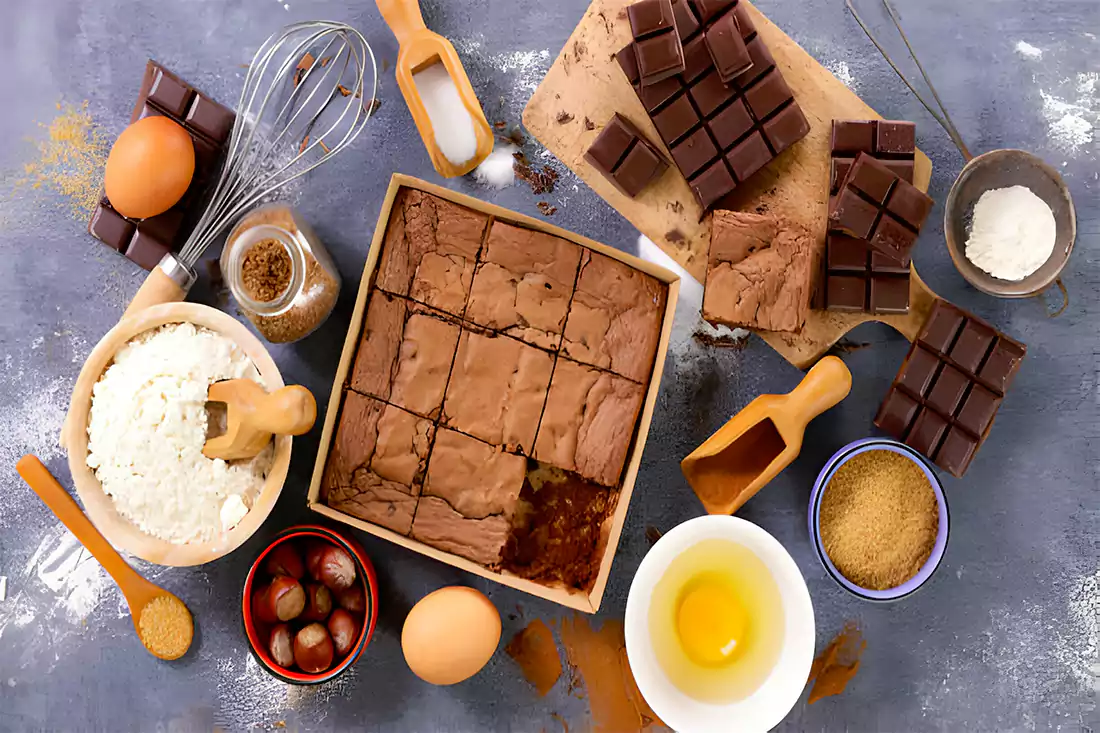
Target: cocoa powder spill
{"type": "Point", "coordinates": [537, 655]}
{"type": "Point", "coordinates": [835, 667]}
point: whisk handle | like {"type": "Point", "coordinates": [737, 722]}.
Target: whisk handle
{"type": "Point", "coordinates": [403, 17]}
{"type": "Point", "coordinates": [167, 283]}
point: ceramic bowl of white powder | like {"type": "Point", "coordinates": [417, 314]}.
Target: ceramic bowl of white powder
{"type": "Point", "coordinates": [1009, 224]}
{"type": "Point", "coordinates": [135, 430]}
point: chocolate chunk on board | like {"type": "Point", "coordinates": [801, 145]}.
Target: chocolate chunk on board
{"type": "Point", "coordinates": [878, 207]}
{"type": "Point", "coordinates": [893, 142]}
{"type": "Point", "coordinates": [146, 241]}
{"type": "Point", "coordinates": [624, 157]}
{"type": "Point", "coordinates": [719, 134]}
{"type": "Point", "coordinates": [946, 395]}
{"type": "Point", "coordinates": [657, 48]}
{"type": "Point", "coordinates": [858, 279]}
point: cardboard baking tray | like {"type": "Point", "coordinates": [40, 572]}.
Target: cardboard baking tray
{"type": "Point", "coordinates": [588, 602]}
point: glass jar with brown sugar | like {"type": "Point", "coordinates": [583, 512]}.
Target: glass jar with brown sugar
{"type": "Point", "coordinates": [280, 274]}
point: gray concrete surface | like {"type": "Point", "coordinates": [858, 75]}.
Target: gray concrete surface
{"type": "Point", "coordinates": [1004, 638]}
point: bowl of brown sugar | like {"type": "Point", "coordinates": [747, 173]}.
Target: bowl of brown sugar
{"type": "Point", "coordinates": [878, 518]}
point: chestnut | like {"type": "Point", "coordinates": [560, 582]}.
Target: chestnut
{"type": "Point", "coordinates": [282, 646]}
{"type": "Point", "coordinates": [353, 599]}
{"type": "Point", "coordinates": [313, 649]}
{"type": "Point", "coordinates": [260, 608]}
{"type": "Point", "coordinates": [285, 560]}
{"type": "Point", "coordinates": [318, 602]}
{"type": "Point", "coordinates": [342, 627]}
{"type": "Point", "coordinates": [330, 565]}
{"type": "Point", "coordinates": [285, 598]}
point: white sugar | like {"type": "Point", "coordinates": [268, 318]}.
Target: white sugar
{"type": "Point", "coordinates": [497, 171]}
{"type": "Point", "coordinates": [451, 122]}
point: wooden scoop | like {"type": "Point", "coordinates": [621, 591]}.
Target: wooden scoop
{"type": "Point", "coordinates": [419, 49]}
{"type": "Point", "coordinates": [253, 416]}
{"type": "Point", "coordinates": [760, 441]}
{"type": "Point", "coordinates": [162, 622]}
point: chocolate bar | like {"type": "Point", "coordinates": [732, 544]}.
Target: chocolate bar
{"type": "Point", "coordinates": [656, 44]}
{"type": "Point", "coordinates": [146, 241]}
{"type": "Point", "coordinates": [950, 386]}
{"type": "Point", "coordinates": [859, 279]}
{"type": "Point", "coordinates": [727, 48]}
{"type": "Point", "coordinates": [893, 142]}
{"type": "Point", "coordinates": [719, 134]}
{"type": "Point", "coordinates": [877, 206]}
{"type": "Point", "coordinates": [623, 155]}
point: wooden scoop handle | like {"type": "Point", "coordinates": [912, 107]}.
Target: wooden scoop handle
{"type": "Point", "coordinates": [39, 478]}
{"type": "Point", "coordinates": [826, 384]}
{"type": "Point", "coordinates": [403, 17]}
{"type": "Point", "coordinates": [287, 411]}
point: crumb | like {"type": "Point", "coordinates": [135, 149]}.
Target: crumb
{"type": "Point", "coordinates": [500, 125]}
{"type": "Point", "coordinates": [676, 207]}
{"type": "Point", "coordinates": [540, 180]}
{"type": "Point", "coordinates": [727, 342]}
{"type": "Point", "coordinates": [385, 64]}
{"type": "Point", "coordinates": [762, 209]}
{"type": "Point", "coordinates": [344, 91]}
{"type": "Point", "coordinates": [579, 49]}
{"type": "Point", "coordinates": [374, 106]}
{"type": "Point", "coordinates": [675, 236]}
{"type": "Point", "coordinates": [564, 117]}
{"type": "Point", "coordinates": [652, 534]}
{"type": "Point", "coordinates": [589, 124]}
{"type": "Point", "coordinates": [325, 61]}
{"type": "Point", "coordinates": [323, 146]}
{"type": "Point", "coordinates": [845, 346]}
{"type": "Point", "coordinates": [304, 145]}
{"type": "Point", "coordinates": [546, 208]}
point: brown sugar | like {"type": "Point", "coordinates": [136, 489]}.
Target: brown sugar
{"type": "Point", "coordinates": [166, 627]}
{"type": "Point", "coordinates": [835, 667]}
{"type": "Point", "coordinates": [266, 271]}
{"type": "Point", "coordinates": [879, 519]}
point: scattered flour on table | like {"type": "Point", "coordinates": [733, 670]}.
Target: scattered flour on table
{"type": "Point", "coordinates": [842, 72]}
{"type": "Point", "coordinates": [1012, 234]}
{"type": "Point", "coordinates": [1026, 50]}
{"type": "Point", "coordinates": [148, 425]}
{"type": "Point", "coordinates": [529, 67]}
{"type": "Point", "coordinates": [1071, 108]}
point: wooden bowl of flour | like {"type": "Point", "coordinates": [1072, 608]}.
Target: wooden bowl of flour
{"type": "Point", "coordinates": [118, 530]}
{"type": "Point", "coordinates": [1001, 169]}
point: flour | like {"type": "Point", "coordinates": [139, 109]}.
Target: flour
{"type": "Point", "coordinates": [497, 171]}
{"type": "Point", "coordinates": [1026, 50]}
{"type": "Point", "coordinates": [147, 428]}
{"type": "Point", "coordinates": [1012, 234]}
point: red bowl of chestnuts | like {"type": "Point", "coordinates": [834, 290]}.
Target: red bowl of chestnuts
{"type": "Point", "coordinates": [310, 604]}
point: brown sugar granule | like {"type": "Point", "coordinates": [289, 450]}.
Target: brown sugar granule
{"type": "Point", "coordinates": [166, 627]}
{"type": "Point", "coordinates": [266, 271]}
{"type": "Point", "coordinates": [879, 519]}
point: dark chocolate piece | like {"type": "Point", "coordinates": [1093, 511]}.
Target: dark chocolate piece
{"type": "Point", "coordinates": [721, 125]}
{"type": "Point", "coordinates": [727, 48]}
{"type": "Point", "coordinates": [162, 93]}
{"type": "Point", "coordinates": [877, 206]}
{"type": "Point", "coordinates": [657, 45]}
{"type": "Point", "coordinates": [858, 279]}
{"type": "Point", "coordinates": [623, 155]}
{"type": "Point", "coordinates": [946, 395]}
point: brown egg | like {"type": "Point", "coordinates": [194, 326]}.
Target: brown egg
{"type": "Point", "coordinates": [449, 635]}
{"type": "Point", "coordinates": [149, 168]}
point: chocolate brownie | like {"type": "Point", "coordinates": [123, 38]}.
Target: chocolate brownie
{"type": "Point", "coordinates": [497, 389]}
{"type": "Point", "coordinates": [430, 250]}
{"type": "Point", "coordinates": [615, 319]}
{"type": "Point", "coordinates": [439, 525]}
{"type": "Point", "coordinates": [405, 354]}
{"type": "Point", "coordinates": [476, 479]}
{"type": "Point", "coordinates": [588, 423]}
{"type": "Point", "coordinates": [759, 272]}
{"type": "Point", "coordinates": [523, 284]}
{"type": "Point", "coordinates": [377, 463]}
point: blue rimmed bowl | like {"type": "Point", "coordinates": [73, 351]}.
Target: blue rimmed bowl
{"type": "Point", "coordinates": [821, 486]}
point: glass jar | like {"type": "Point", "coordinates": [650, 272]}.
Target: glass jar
{"type": "Point", "coordinates": [279, 273]}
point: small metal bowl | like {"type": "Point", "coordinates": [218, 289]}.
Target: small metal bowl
{"type": "Point", "coordinates": [258, 633]}
{"type": "Point", "coordinates": [1000, 169]}
{"type": "Point", "coordinates": [821, 486]}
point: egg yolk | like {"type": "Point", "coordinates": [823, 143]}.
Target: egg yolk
{"type": "Point", "coordinates": [712, 624]}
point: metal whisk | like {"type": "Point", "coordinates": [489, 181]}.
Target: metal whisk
{"type": "Point", "coordinates": [308, 93]}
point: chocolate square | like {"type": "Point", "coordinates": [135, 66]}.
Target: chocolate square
{"type": "Point", "coordinates": [948, 390]}
{"type": "Point", "coordinates": [727, 48]}
{"type": "Point", "coordinates": [918, 371]}
{"type": "Point", "coordinates": [956, 452]}
{"type": "Point", "coordinates": [978, 410]}
{"type": "Point", "coordinates": [940, 328]}
{"type": "Point", "coordinates": [749, 156]}
{"type": "Point", "coordinates": [927, 430]}
{"type": "Point", "coordinates": [896, 413]}
{"type": "Point", "coordinates": [972, 345]}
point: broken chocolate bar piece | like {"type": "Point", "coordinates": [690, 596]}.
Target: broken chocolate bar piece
{"type": "Point", "coordinates": [950, 386]}
{"type": "Point", "coordinates": [877, 206]}
{"type": "Point", "coordinates": [656, 45]}
{"type": "Point", "coordinates": [892, 142]}
{"type": "Point", "coordinates": [719, 134]}
{"type": "Point", "coordinates": [162, 93]}
{"type": "Point", "coordinates": [727, 48]}
{"type": "Point", "coordinates": [623, 155]}
{"type": "Point", "coordinates": [858, 279]}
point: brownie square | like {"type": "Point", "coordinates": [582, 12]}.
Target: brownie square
{"type": "Point", "coordinates": [376, 466]}
{"type": "Point", "coordinates": [439, 525]}
{"type": "Point", "coordinates": [523, 284]}
{"type": "Point", "coordinates": [430, 250]}
{"type": "Point", "coordinates": [759, 272]}
{"type": "Point", "coordinates": [497, 390]}
{"type": "Point", "coordinates": [588, 423]}
{"type": "Point", "coordinates": [405, 354]}
{"type": "Point", "coordinates": [478, 480]}
{"type": "Point", "coordinates": [615, 319]}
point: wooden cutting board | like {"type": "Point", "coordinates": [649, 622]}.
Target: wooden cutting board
{"type": "Point", "coordinates": [585, 87]}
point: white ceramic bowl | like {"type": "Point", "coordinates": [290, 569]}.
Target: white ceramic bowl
{"type": "Point", "coordinates": [771, 702]}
